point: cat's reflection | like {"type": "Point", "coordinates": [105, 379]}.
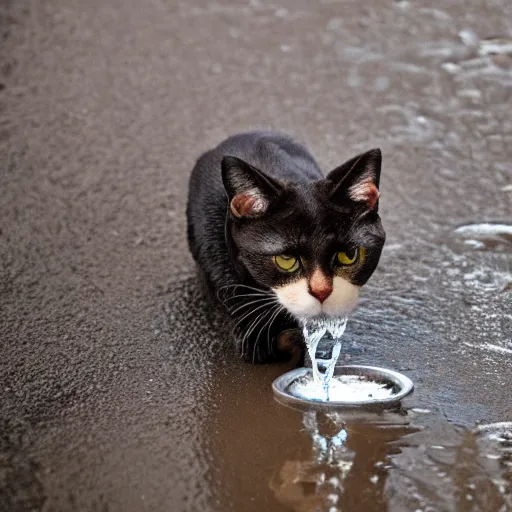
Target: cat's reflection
{"type": "Point", "coordinates": [347, 465]}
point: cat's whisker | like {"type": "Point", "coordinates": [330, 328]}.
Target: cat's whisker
{"type": "Point", "coordinates": [242, 286]}
{"type": "Point", "coordinates": [248, 295]}
{"type": "Point", "coordinates": [272, 320]}
{"type": "Point", "coordinates": [251, 329]}
{"type": "Point", "coordinates": [256, 301]}
{"type": "Point", "coordinates": [243, 299]}
{"type": "Point", "coordinates": [232, 289]}
{"type": "Point", "coordinates": [271, 311]}
{"type": "Point", "coordinates": [253, 324]}
{"type": "Point", "coordinates": [269, 323]}
{"type": "Point", "coordinates": [257, 340]}
{"type": "Point", "coordinates": [250, 312]}
{"type": "Point", "coordinates": [245, 336]}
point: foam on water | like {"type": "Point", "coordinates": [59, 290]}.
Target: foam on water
{"type": "Point", "coordinates": [343, 388]}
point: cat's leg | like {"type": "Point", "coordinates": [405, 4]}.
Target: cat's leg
{"type": "Point", "coordinates": [291, 344]}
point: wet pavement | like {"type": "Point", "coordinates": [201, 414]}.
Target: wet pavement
{"type": "Point", "coordinates": [119, 388]}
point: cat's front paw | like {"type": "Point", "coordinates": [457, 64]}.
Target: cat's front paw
{"type": "Point", "coordinates": [290, 345]}
{"type": "Point", "coordinates": [287, 346]}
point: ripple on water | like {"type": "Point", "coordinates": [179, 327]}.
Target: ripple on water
{"type": "Point", "coordinates": [486, 236]}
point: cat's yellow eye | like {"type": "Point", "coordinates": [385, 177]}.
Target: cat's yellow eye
{"type": "Point", "coordinates": [287, 263]}
{"type": "Point", "coordinates": [347, 257]}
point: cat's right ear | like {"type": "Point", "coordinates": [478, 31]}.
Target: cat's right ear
{"type": "Point", "coordinates": [249, 190]}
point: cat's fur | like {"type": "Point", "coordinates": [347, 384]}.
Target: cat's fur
{"type": "Point", "coordinates": [259, 195]}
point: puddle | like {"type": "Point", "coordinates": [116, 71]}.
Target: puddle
{"type": "Point", "coordinates": [327, 461]}
{"type": "Point", "coordinates": [444, 321]}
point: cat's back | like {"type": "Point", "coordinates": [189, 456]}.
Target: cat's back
{"type": "Point", "coordinates": [273, 153]}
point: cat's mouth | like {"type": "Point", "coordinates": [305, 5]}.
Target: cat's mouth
{"type": "Point", "coordinates": [327, 312]}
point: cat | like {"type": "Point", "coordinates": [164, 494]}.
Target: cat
{"type": "Point", "coordinates": [277, 241]}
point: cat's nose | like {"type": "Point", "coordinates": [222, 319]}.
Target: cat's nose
{"type": "Point", "coordinates": [320, 285]}
{"type": "Point", "coordinates": [321, 293]}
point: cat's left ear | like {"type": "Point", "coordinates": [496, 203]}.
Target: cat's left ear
{"type": "Point", "coordinates": [357, 180]}
{"type": "Point", "coordinates": [250, 191]}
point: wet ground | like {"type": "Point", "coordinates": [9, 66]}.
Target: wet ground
{"type": "Point", "coordinates": [119, 388]}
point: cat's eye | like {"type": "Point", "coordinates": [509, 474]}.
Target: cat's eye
{"type": "Point", "coordinates": [287, 263]}
{"type": "Point", "coordinates": [347, 257]}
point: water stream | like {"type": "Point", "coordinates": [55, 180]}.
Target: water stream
{"type": "Point", "coordinates": [314, 331]}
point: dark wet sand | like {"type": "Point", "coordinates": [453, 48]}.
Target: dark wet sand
{"type": "Point", "coordinates": [119, 388]}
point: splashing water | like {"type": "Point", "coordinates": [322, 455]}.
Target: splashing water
{"type": "Point", "coordinates": [314, 330]}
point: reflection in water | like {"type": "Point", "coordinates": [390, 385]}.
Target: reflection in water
{"type": "Point", "coordinates": [346, 469]}
{"type": "Point", "coordinates": [462, 473]}
{"type": "Point", "coordinates": [362, 466]}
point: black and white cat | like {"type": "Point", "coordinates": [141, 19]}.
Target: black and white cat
{"type": "Point", "coordinates": [277, 241]}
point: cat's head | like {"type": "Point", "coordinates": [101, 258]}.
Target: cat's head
{"type": "Point", "coordinates": [313, 243]}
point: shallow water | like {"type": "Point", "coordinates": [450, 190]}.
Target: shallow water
{"type": "Point", "coordinates": [411, 459]}
{"type": "Point", "coordinates": [120, 389]}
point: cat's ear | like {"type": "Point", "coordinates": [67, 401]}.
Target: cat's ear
{"type": "Point", "coordinates": [249, 190]}
{"type": "Point", "coordinates": [357, 180]}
